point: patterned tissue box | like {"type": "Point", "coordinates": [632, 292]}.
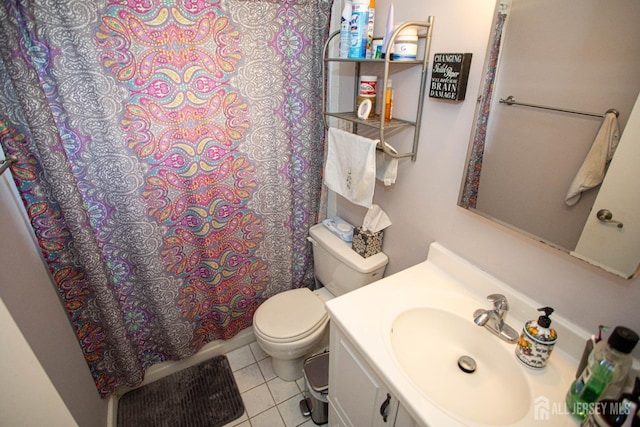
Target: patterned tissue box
{"type": "Point", "coordinates": [366, 243]}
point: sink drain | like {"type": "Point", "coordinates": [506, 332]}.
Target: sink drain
{"type": "Point", "coordinates": [467, 364]}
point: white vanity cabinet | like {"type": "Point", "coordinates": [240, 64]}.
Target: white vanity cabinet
{"type": "Point", "coordinates": [365, 363]}
{"type": "Point", "coordinates": [357, 396]}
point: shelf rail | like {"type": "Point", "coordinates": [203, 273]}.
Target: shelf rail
{"type": "Point", "coordinates": [381, 124]}
{"type": "Point", "coordinates": [511, 100]}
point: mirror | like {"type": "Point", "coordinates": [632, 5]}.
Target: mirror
{"type": "Point", "coordinates": [565, 64]}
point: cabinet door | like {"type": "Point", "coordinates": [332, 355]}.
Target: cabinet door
{"type": "Point", "coordinates": [403, 419]}
{"type": "Point", "coordinates": [357, 396]}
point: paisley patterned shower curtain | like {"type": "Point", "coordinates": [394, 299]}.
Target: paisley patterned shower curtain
{"type": "Point", "coordinates": [169, 160]}
{"type": "Point", "coordinates": [469, 196]}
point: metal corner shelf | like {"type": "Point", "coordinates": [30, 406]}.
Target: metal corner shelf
{"type": "Point", "coordinates": [376, 122]}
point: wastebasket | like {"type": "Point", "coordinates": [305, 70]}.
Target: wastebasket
{"type": "Point", "coordinates": [316, 375]}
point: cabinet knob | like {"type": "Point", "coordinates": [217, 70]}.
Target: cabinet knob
{"type": "Point", "coordinates": [384, 408]}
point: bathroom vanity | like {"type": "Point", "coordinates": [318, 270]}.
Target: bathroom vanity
{"type": "Point", "coordinates": [358, 396]}
{"type": "Point", "coordinates": [395, 345]}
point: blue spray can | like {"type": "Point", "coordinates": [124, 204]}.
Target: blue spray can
{"type": "Point", "coordinates": [358, 29]}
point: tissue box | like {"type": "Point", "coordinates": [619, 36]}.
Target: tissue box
{"type": "Point", "coordinates": [366, 243]}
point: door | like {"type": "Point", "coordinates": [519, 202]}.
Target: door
{"type": "Point", "coordinates": [357, 397]}
{"type": "Point", "coordinates": [606, 244]}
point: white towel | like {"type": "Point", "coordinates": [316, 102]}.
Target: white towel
{"type": "Point", "coordinates": [386, 166]}
{"type": "Point", "coordinates": [351, 166]}
{"type": "Point", "coordinates": [592, 171]}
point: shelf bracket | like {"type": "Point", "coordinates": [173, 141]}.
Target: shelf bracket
{"type": "Point", "coordinates": [382, 125]}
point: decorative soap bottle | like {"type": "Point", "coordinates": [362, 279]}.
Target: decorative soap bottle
{"type": "Point", "coordinates": [537, 340]}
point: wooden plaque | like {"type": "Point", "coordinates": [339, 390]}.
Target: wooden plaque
{"type": "Point", "coordinates": [449, 76]}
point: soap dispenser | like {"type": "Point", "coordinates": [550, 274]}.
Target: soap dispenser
{"type": "Point", "coordinates": [537, 340]}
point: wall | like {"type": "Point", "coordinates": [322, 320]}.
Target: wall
{"type": "Point", "coordinates": [29, 296]}
{"type": "Point", "coordinates": [422, 204]}
{"type": "Point", "coordinates": [27, 397]}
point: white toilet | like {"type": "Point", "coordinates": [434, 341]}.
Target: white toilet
{"type": "Point", "coordinates": [294, 324]}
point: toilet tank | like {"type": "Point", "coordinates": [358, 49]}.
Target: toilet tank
{"type": "Point", "coordinates": [339, 268]}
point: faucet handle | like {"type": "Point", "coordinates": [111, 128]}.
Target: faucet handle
{"type": "Point", "coordinates": [499, 301]}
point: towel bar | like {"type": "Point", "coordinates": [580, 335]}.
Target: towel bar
{"type": "Point", "coordinates": [391, 152]}
{"type": "Point", "coordinates": [510, 100]}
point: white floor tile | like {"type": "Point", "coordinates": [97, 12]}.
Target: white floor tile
{"type": "Point", "coordinates": [262, 390]}
{"type": "Point", "coordinates": [248, 377]}
{"type": "Point", "coordinates": [269, 418]}
{"type": "Point", "coordinates": [290, 411]}
{"type": "Point", "coordinates": [267, 369]}
{"type": "Point", "coordinates": [257, 400]}
{"type": "Point", "coordinates": [282, 390]}
{"type": "Point", "coordinates": [240, 358]}
{"type": "Point", "coordinates": [310, 423]}
{"type": "Point", "coordinates": [302, 384]}
{"type": "Point", "coordinates": [258, 352]}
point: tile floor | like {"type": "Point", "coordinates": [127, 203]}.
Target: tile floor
{"type": "Point", "coordinates": [268, 400]}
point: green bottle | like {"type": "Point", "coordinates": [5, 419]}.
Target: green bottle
{"type": "Point", "coordinates": [608, 365]}
{"type": "Point", "coordinates": [619, 412]}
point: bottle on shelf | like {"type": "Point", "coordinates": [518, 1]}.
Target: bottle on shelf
{"type": "Point", "coordinates": [358, 29]}
{"type": "Point", "coordinates": [388, 32]}
{"type": "Point", "coordinates": [345, 43]}
{"type": "Point", "coordinates": [388, 101]}
{"type": "Point", "coordinates": [405, 46]}
{"type": "Point", "coordinates": [367, 90]}
{"type": "Point", "coordinates": [372, 13]}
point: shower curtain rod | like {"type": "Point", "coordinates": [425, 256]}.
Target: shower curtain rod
{"type": "Point", "coordinates": [6, 163]}
{"type": "Point", "coordinates": [510, 100]}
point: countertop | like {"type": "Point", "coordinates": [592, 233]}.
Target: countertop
{"type": "Point", "coordinates": [444, 279]}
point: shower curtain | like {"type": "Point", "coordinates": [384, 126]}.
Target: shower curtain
{"type": "Point", "coordinates": [169, 162]}
{"type": "Point", "coordinates": [469, 196]}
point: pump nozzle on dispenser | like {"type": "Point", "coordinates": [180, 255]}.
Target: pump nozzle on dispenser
{"type": "Point", "coordinates": [545, 321]}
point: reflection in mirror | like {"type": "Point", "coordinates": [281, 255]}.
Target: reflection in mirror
{"type": "Point", "coordinates": [565, 64]}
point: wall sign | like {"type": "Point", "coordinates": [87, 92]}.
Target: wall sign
{"type": "Point", "coordinates": [449, 76]}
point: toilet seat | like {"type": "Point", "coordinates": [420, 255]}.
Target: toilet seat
{"type": "Point", "coordinates": [290, 316]}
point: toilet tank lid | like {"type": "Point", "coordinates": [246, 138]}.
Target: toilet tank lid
{"type": "Point", "coordinates": [342, 250]}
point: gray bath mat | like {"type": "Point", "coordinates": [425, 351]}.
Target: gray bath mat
{"type": "Point", "coordinates": [205, 395]}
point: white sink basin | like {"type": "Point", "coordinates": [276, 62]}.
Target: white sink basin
{"type": "Point", "coordinates": [427, 344]}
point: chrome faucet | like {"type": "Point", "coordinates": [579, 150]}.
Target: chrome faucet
{"type": "Point", "coordinates": [493, 320]}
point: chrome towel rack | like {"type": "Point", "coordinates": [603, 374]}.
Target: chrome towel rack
{"type": "Point", "coordinates": [511, 100]}
{"type": "Point", "coordinates": [6, 163]}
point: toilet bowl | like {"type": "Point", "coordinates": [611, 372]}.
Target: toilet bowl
{"type": "Point", "coordinates": [293, 324]}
